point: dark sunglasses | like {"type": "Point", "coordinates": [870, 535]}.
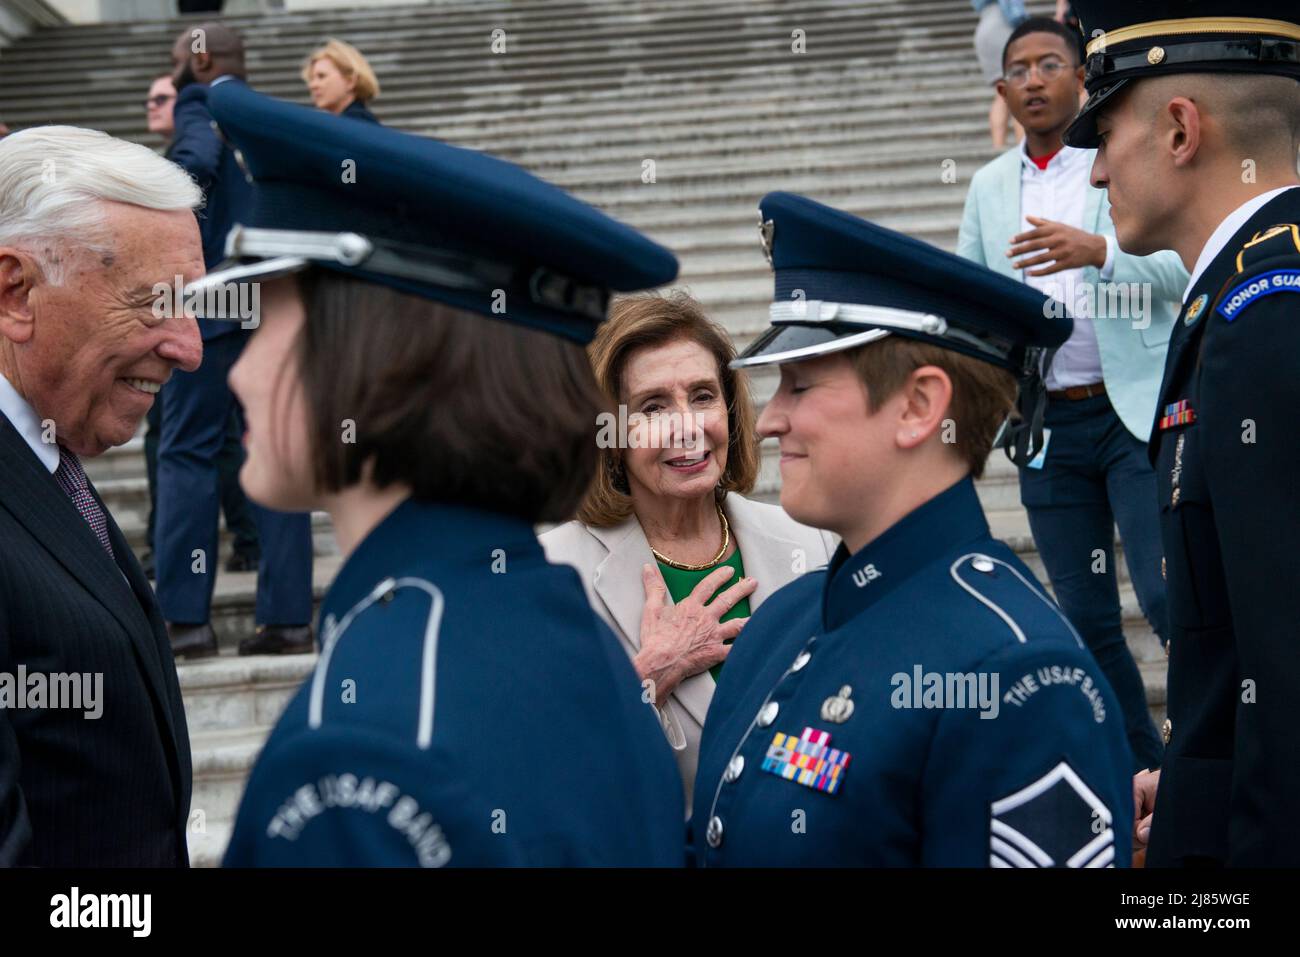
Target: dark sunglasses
{"type": "Point", "coordinates": [159, 100]}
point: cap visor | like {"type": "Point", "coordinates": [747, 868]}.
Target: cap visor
{"type": "Point", "coordinates": [219, 288]}
{"type": "Point", "coordinates": [235, 271]}
{"type": "Point", "coordinates": [789, 342]}
{"type": "Point", "coordinates": [1082, 133]}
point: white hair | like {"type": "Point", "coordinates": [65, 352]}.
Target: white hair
{"type": "Point", "coordinates": [54, 181]}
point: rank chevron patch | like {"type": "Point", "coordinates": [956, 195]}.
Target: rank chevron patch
{"type": "Point", "coordinates": [1055, 821]}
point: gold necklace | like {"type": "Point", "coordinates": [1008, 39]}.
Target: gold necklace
{"type": "Point", "coordinates": [683, 566]}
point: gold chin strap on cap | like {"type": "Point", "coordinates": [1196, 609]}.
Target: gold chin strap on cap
{"type": "Point", "coordinates": [1194, 25]}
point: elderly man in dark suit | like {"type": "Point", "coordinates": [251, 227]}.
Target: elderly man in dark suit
{"type": "Point", "coordinates": [198, 405]}
{"type": "Point", "coordinates": [94, 750]}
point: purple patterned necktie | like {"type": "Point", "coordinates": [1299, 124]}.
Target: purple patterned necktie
{"type": "Point", "coordinates": [72, 479]}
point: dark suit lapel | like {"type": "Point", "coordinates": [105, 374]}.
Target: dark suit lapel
{"type": "Point", "coordinates": [29, 492]}
{"type": "Point", "coordinates": [151, 640]}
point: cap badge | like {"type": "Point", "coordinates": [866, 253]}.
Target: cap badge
{"type": "Point", "coordinates": [766, 230]}
{"type": "Point", "coordinates": [1156, 56]}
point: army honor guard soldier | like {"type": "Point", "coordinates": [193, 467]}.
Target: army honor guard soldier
{"type": "Point", "coordinates": [1195, 113]}
{"type": "Point", "coordinates": [921, 701]}
{"type": "Point", "coordinates": [419, 372]}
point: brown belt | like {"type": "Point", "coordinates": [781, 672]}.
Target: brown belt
{"type": "Point", "coordinates": [1076, 392]}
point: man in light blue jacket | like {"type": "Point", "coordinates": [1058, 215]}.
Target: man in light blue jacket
{"type": "Point", "coordinates": [1033, 214]}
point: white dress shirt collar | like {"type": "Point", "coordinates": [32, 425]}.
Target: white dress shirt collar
{"type": "Point", "coordinates": [24, 419]}
{"type": "Point", "coordinates": [1066, 156]}
{"type": "Point", "coordinates": [1227, 229]}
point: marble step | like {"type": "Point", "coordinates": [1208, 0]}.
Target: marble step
{"type": "Point", "coordinates": [222, 762]}
{"type": "Point", "coordinates": [406, 99]}
{"type": "Point", "coordinates": [209, 845]}
{"type": "Point", "coordinates": [692, 32]}
{"type": "Point", "coordinates": [234, 600]}
{"type": "Point", "coordinates": [618, 17]}
{"type": "Point", "coordinates": [229, 693]}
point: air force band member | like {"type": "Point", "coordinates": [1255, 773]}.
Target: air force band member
{"type": "Point", "coordinates": [921, 701]}
{"type": "Point", "coordinates": [419, 373]}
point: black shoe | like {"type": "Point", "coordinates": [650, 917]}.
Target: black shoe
{"type": "Point", "coordinates": [147, 566]}
{"type": "Point", "coordinates": [279, 640]}
{"type": "Point", "coordinates": [241, 562]}
{"type": "Point", "coordinates": [192, 641]}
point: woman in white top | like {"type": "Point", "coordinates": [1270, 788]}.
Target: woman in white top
{"type": "Point", "coordinates": [665, 526]}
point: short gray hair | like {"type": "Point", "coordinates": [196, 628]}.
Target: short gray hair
{"type": "Point", "coordinates": [54, 181]}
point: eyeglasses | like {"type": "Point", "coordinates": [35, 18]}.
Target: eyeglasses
{"type": "Point", "coordinates": [1048, 70]}
{"type": "Point", "coordinates": [160, 100]}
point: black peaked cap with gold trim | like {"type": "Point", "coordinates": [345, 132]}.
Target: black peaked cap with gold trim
{"type": "Point", "coordinates": [1131, 39]}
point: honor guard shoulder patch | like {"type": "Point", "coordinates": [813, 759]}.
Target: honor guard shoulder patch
{"type": "Point", "coordinates": [1055, 821]}
{"type": "Point", "coordinates": [1269, 263]}
{"type": "Point", "coordinates": [1256, 287]}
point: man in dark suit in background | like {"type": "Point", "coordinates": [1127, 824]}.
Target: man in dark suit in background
{"type": "Point", "coordinates": [197, 404]}
{"type": "Point", "coordinates": [94, 749]}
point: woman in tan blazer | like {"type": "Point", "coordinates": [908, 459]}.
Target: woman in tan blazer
{"type": "Point", "coordinates": [666, 528]}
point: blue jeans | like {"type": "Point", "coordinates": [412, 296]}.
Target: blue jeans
{"type": "Point", "coordinates": [1095, 476]}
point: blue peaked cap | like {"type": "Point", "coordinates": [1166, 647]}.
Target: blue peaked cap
{"type": "Point", "coordinates": [406, 211]}
{"type": "Point", "coordinates": [841, 282]}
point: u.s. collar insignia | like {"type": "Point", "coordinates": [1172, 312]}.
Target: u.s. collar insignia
{"type": "Point", "coordinates": [766, 232]}
{"type": "Point", "coordinates": [838, 708]}
{"type": "Point", "coordinates": [1195, 309]}
{"type": "Point", "coordinates": [808, 760]}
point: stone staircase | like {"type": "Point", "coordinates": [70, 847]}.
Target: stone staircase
{"type": "Point", "coordinates": [882, 114]}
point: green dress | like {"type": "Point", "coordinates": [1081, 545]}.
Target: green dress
{"type": "Point", "coordinates": [680, 584]}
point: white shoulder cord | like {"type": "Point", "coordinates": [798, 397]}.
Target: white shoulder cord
{"type": "Point", "coordinates": [996, 609]}
{"type": "Point", "coordinates": [428, 664]}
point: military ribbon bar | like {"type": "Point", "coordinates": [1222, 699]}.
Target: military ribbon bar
{"type": "Point", "coordinates": [1177, 413]}
{"type": "Point", "coordinates": [808, 760]}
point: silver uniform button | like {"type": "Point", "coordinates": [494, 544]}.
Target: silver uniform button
{"type": "Point", "coordinates": [768, 714]}
{"type": "Point", "coordinates": [734, 768]}
{"type": "Point", "coordinates": [982, 563]}
{"type": "Point", "coordinates": [803, 659]}
{"type": "Point", "coordinates": [714, 832]}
